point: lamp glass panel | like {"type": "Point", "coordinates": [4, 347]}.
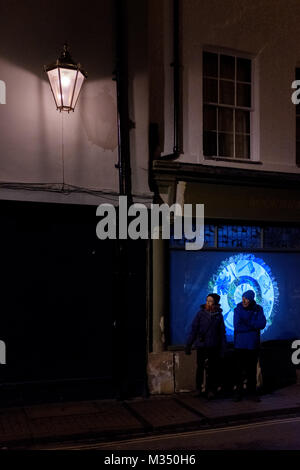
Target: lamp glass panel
{"type": "Point", "coordinates": [67, 77]}
{"type": "Point", "coordinates": [79, 82]}
{"type": "Point", "coordinates": [54, 82]}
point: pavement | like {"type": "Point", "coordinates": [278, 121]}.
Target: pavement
{"type": "Point", "coordinates": [37, 426]}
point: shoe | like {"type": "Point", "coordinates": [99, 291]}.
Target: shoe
{"type": "Point", "coordinates": [237, 397]}
{"type": "Point", "coordinates": [210, 396]}
{"type": "Point", "coordinates": [254, 398]}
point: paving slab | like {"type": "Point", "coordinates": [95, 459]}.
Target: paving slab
{"type": "Point", "coordinates": [60, 409]}
{"type": "Point", "coordinates": [277, 401]}
{"type": "Point", "coordinates": [14, 425]}
{"type": "Point", "coordinates": [73, 419]}
{"type": "Point", "coordinates": [107, 418]}
{"type": "Point", "coordinates": [165, 413]}
{"type": "Point", "coordinates": [110, 419]}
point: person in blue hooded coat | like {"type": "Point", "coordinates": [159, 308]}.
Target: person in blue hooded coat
{"type": "Point", "coordinates": [208, 335]}
{"type": "Point", "coordinates": [248, 320]}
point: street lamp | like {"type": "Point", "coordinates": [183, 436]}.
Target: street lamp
{"type": "Point", "coordinates": [66, 79]}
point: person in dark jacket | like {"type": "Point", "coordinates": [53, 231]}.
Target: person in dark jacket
{"type": "Point", "coordinates": [208, 335]}
{"type": "Point", "coordinates": [248, 320]}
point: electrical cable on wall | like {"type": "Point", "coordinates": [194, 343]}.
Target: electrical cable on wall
{"type": "Point", "coordinates": [62, 151]}
{"type": "Point", "coordinates": [68, 189]}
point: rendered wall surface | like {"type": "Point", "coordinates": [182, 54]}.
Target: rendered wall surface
{"type": "Point", "coordinates": [37, 140]}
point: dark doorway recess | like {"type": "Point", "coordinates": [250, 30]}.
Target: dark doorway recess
{"type": "Point", "coordinates": [59, 300]}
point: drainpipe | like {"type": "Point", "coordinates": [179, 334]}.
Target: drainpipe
{"type": "Point", "coordinates": [176, 86]}
{"type": "Point", "coordinates": [159, 268]}
{"type": "Point", "coordinates": [123, 121]}
{"type": "Point", "coordinates": [122, 303]}
{"type": "Point", "coordinates": [153, 130]}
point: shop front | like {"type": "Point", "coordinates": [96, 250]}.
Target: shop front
{"type": "Point", "coordinates": [252, 241]}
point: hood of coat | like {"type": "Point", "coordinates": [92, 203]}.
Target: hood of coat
{"type": "Point", "coordinates": [251, 306]}
{"type": "Point", "coordinates": [215, 312]}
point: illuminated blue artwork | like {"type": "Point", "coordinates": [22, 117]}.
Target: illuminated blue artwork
{"type": "Point", "coordinates": [194, 275]}
{"type": "Point", "coordinates": [238, 274]}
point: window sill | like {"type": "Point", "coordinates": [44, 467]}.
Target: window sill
{"type": "Point", "coordinates": [233, 160]}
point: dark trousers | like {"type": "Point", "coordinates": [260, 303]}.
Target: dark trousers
{"type": "Point", "coordinates": [245, 367]}
{"type": "Point", "coordinates": [212, 356]}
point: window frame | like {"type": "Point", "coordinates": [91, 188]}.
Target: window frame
{"type": "Point", "coordinates": [254, 126]}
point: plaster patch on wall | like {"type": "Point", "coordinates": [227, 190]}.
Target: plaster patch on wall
{"type": "Point", "coordinates": [185, 371]}
{"type": "Point", "coordinates": [161, 373]}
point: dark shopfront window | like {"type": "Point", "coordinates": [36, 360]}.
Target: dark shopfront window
{"type": "Point", "coordinates": [236, 258]}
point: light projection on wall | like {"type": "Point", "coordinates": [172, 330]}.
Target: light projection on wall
{"type": "Point", "coordinates": [239, 273]}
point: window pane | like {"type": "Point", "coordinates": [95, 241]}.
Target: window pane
{"type": "Point", "coordinates": [239, 236]}
{"type": "Point", "coordinates": [227, 64]}
{"type": "Point", "coordinates": [225, 121]}
{"type": "Point", "coordinates": [210, 143]}
{"type": "Point", "coordinates": [225, 145]}
{"type": "Point", "coordinates": [242, 121]}
{"type": "Point", "coordinates": [243, 70]}
{"type": "Point", "coordinates": [226, 92]}
{"type": "Point", "coordinates": [210, 90]}
{"type": "Point", "coordinates": [209, 236]}
{"type": "Point", "coordinates": [174, 242]}
{"type": "Point", "coordinates": [242, 146]}
{"type": "Point", "coordinates": [209, 118]}
{"type": "Point", "coordinates": [274, 237]}
{"type": "Point", "coordinates": [243, 95]}
{"type": "Point", "coordinates": [210, 64]}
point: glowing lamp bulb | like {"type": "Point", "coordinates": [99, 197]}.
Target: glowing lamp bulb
{"type": "Point", "coordinates": [65, 81]}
